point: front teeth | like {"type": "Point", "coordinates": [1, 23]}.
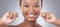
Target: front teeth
{"type": "Point", "coordinates": [31, 15]}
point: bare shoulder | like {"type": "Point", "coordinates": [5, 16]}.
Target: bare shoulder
{"type": "Point", "coordinates": [38, 25]}
{"type": "Point", "coordinates": [7, 26]}
{"type": "Point", "coordinates": [20, 25]}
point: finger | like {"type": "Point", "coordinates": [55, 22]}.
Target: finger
{"type": "Point", "coordinates": [10, 16]}
{"type": "Point", "coordinates": [48, 15]}
{"type": "Point", "coordinates": [7, 14]}
{"type": "Point", "coordinates": [15, 14]}
{"type": "Point", "coordinates": [43, 15]}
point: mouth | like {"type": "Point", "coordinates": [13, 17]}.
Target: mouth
{"type": "Point", "coordinates": [31, 15]}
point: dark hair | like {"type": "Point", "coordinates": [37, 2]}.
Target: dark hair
{"type": "Point", "coordinates": [21, 1]}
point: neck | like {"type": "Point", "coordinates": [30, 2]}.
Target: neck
{"type": "Point", "coordinates": [30, 23]}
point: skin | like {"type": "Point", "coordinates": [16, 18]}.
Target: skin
{"type": "Point", "coordinates": [31, 9]}
{"type": "Point", "coordinates": [50, 18]}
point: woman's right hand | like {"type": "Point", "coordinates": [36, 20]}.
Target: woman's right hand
{"type": "Point", "coordinates": [9, 17]}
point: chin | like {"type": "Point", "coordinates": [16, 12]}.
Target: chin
{"type": "Point", "coordinates": [31, 19]}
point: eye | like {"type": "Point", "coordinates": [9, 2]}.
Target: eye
{"type": "Point", "coordinates": [26, 5]}
{"type": "Point", "coordinates": [36, 5]}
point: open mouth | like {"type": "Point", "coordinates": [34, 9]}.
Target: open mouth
{"type": "Point", "coordinates": [31, 15]}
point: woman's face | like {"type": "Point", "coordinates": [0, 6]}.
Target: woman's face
{"type": "Point", "coordinates": [31, 9]}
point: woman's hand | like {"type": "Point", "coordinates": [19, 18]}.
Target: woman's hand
{"type": "Point", "coordinates": [9, 17]}
{"type": "Point", "coordinates": [48, 17]}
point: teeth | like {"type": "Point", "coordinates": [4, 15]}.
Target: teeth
{"type": "Point", "coordinates": [31, 15]}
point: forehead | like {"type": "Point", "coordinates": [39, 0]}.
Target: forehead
{"type": "Point", "coordinates": [31, 1]}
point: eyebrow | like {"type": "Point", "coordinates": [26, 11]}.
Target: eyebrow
{"type": "Point", "coordinates": [26, 3]}
{"type": "Point", "coordinates": [36, 3]}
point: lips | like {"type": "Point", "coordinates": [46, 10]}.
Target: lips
{"type": "Point", "coordinates": [31, 15]}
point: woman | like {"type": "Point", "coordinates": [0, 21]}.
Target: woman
{"type": "Point", "coordinates": [31, 10]}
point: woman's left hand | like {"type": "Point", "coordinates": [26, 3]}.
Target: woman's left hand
{"type": "Point", "coordinates": [48, 17]}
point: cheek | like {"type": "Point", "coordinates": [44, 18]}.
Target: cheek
{"type": "Point", "coordinates": [38, 10]}
{"type": "Point", "coordinates": [24, 11]}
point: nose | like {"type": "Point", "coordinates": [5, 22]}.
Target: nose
{"type": "Point", "coordinates": [31, 9]}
